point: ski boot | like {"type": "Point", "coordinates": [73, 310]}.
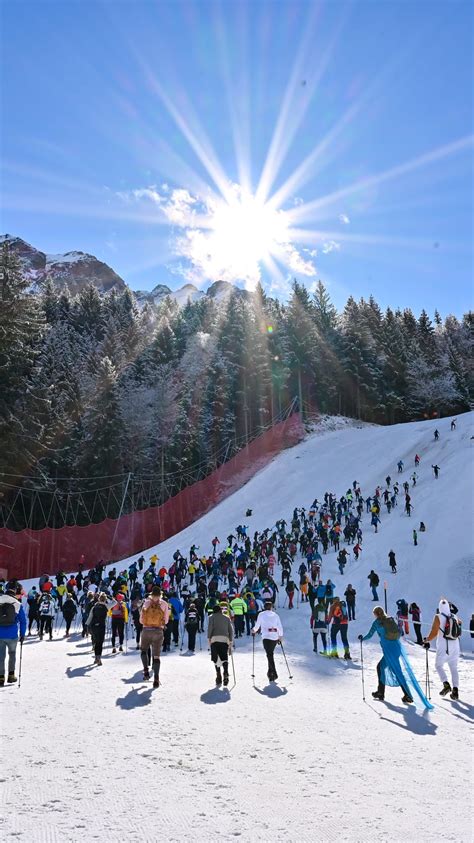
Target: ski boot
{"type": "Point", "coordinates": [156, 682]}
{"type": "Point", "coordinates": [347, 656]}
{"type": "Point", "coordinates": [379, 694]}
{"type": "Point", "coordinates": [120, 649]}
{"type": "Point", "coordinates": [407, 699]}
{"type": "Point", "coordinates": [146, 673]}
{"type": "Point", "coordinates": [114, 649]}
{"type": "Point", "coordinates": [218, 676]}
{"type": "Point", "coordinates": [2, 681]}
{"type": "Point", "coordinates": [226, 678]}
{"type": "Point", "coordinates": [454, 695]}
{"type": "Point", "coordinates": [445, 689]}
{"type": "Point", "coordinates": [99, 662]}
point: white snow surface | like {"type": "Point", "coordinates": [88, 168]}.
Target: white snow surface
{"type": "Point", "coordinates": [90, 753]}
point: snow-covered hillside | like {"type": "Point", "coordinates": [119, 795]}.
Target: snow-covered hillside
{"type": "Point", "coordinates": [92, 750]}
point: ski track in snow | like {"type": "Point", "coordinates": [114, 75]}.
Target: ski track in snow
{"type": "Point", "coordinates": [89, 752]}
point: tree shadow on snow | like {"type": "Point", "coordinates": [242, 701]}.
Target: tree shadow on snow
{"type": "Point", "coordinates": [419, 724]}
{"type": "Point", "coordinates": [272, 691]}
{"type": "Point", "coordinates": [75, 672]}
{"type": "Point", "coordinates": [215, 696]}
{"type": "Point", "coordinates": [136, 698]}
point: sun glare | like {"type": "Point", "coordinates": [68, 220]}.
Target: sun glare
{"type": "Point", "coordinates": [243, 232]}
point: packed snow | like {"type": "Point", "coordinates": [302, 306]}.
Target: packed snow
{"type": "Point", "coordinates": [95, 751]}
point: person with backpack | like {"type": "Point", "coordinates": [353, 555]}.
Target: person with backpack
{"type": "Point", "coordinates": [12, 621]}
{"type": "Point", "coordinates": [33, 613]}
{"type": "Point", "coordinates": [415, 612]}
{"type": "Point", "coordinates": [350, 595]}
{"type": "Point", "coordinates": [47, 612]}
{"type": "Point", "coordinates": [447, 629]}
{"type": "Point", "coordinates": [290, 589]}
{"type": "Point", "coordinates": [191, 625]}
{"type": "Point", "coordinates": [402, 615]}
{"type": "Point", "coordinates": [220, 634]}
{"type": "Point", "coordinates": [319, 625]}
{"type": "Point", "coordinates": [393, 668]}
{"type": "Point", "coordinates": [392, 562]}
{"type": "Point", "coordinates": [269, 624]}
{"type": "Point", "coordinates": [154, 616]}
{"type": "Point", "coordinates": [119, 615]}
{"type": "Point", "coordinates": [340, 621]}
{"type": "Point", "coordinates": [252, 611]}
{"type": "Point", "coordinates": [329, 592]}
{"type": "Point", "coordinates": [96, 623]}
{"type": "Point", "coordinates": [239, 609]}
{"type": "Point", "coordinates": [374, 580]}
{"type": "Point", "coordinates": [69, 610]}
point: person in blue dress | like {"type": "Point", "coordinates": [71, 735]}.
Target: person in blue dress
{"type": "Point", "coordinates": [394, 668]}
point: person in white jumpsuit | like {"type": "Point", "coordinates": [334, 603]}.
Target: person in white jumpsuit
{"type": "Point", "coordinates": [447, 650]}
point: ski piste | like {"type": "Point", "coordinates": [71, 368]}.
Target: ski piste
{"type": "Point", "coordinates": [176, 725]}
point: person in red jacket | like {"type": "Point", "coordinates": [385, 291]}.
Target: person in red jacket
{"type": "Point", "coordinates": [340, 621]}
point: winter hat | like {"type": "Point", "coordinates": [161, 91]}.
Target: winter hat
{"type": "Point", "coordinates": [119, 598]}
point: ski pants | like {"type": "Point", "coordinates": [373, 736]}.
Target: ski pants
{"type": "Point", "coordinates": [68, 619]}
{"type": "Point", "coordinates": [269, 647]}
{"type": "Point", "coordinates": [99, 636]}
{"type": "Point", "coordinates": [152, 637]}
{"type": "Point", "coordinates": [175, 630]}
{"type": "Point", "coordinates": [449, 658]}
{"type": "Point", "coordinates": [342, 628]}
{"type": "Point", "coordinates": [46, 624]}
{"type": "Point", "coordinates": [192, 630]}
{"type": "Point", "coordinates": [323, 639]}
{"type": "Point", "coordinates": [118, 627]}
{"type": "Point", "coordinates": [239, 625]}
{"type": "Point", "coordinates": [374, 592]}
{"type": "Point", "coordinates": [351, 611]}
{"type": "Point", "coordinates": [417, 628]}
{"type": "Point", "coordinates": [291, 595]}
{"type": "Point", "coordinates": [33, 617]}
{"type": "Point", "coordinates": [8, 645]}
{"type": "Point", "coordinates": [220, 651]}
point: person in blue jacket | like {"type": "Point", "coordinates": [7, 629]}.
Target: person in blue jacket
{"type": "Point", "coordinates": [394, 668]}
{"type": "Point", "coordinates": [12, 616]}
{"type": "Point", "coordinates": [177, 610]}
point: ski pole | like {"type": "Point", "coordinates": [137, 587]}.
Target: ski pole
{"type": "Point", "coordinates": [19, 668]}
{"type": "Point", "coordinates": [126, 637]}
{"type": "Point", "coordinates": [253, 657]}
{"type": "Point", "coordinates": [428, 689]}
{"type": "Point", "coordinates": [233, 667]}
{"type": "Point", "coordinates": [362, 666]}
{"type": "Point", "coordinates": [200, 640]}
{"type": "Point", "coordinates": [286, 662]}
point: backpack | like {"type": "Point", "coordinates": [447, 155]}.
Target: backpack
{"type": "Point", "coordinates": [252, 606]}
{"type": "Point", "coordinates": [391, 630]}
{"type": "Point", "coordinates": [343, 610]}
{"type": "Point", "coordinates": [153, 615]}
{"type": "Point", "coordinates": [452, 628]}
{"type": "Point", "coordinates": [7, 614]}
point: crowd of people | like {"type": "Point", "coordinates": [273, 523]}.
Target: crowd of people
{"type": "Point", "coordinates": [230, 593]}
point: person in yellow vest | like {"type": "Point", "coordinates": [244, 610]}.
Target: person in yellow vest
{"type": "Point", "coordinates": [61, 590]}
{"type": "Point", "coordinates": [239, 609]}
{"type": "Point", "coordinates": [154, 559]}
{"type": "Point", "coordinates": [191, 572]}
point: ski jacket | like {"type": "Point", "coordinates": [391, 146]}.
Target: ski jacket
{"type": "Point", "coordinates": [176, 607]}
{"type": "Point", "coordinates": [220, 629]}
{"type": "Point", "coordinates": [46, 607]}
{"type": "Point", "coordinates": [238, 606]}
{"type": "Point", "coordinates": [269, 624]}
{"type": "Point", "coordinates": [119, 611]}
{"type": "Point", "coordinates": [10, 632]}
{"type": "Point", "coordinates": [69, 608]}
{"type": "Point", "coordinates": [318, 620]}
{"type": "Point", "coordinates": [336, 615]}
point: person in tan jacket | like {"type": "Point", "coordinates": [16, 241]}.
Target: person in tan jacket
{"type": "Point", "coordinates": [154, 616]}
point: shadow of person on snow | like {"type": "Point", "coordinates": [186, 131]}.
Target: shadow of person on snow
{"type": "Point", "coordinates": [272, 691]}
{"type": "Point", "coordinates": [215, 696]}
{"type": "Point", "coordinates": [75, 672]}
{"type": "Point", "coordinates": [132, 680]}
{"type": "Point", "coordinates": [419, 724]}
{"type": "Point", "coordinates": [136, 698]}
{"type": "Point", "coordinates": [463, 708]}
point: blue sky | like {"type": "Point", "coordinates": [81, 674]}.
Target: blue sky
{"type": "Point", "coordinates": [139, 132]}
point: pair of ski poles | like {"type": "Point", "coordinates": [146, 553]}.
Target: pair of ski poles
{"type": "Point", "coordinates": [253, 659]}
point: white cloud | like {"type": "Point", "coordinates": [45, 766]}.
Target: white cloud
{"type": "Point", "coordinates": [330, 246]}
{"type": "Point", "coordinates": [344, 219]}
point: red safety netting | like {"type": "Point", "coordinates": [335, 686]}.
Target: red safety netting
{"type": "Point", "coordinates": [30, 553]}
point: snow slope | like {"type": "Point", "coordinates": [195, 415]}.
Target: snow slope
{"type": "Point", "coordinates": [90, 750]}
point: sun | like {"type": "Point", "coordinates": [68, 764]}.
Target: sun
{"type": "Point", "coordinates": [243, 232]}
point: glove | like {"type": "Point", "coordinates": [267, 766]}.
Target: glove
{"type": "Point", "coordinates": [426, 645]}
{"type": "Point", "coordinates": [360, 637]}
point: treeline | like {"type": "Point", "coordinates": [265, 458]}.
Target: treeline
{"type": "Point", "coordinates": [92, 387]}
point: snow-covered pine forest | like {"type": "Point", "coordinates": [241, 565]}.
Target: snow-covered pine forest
{"type": "Point", "coordinates": [93, 386]}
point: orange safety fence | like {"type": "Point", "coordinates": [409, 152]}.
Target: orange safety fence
{"type": "Point", "coordinates": [30, 553]}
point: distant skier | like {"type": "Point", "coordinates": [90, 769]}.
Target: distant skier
{"type": "Point", "coordinates": [290, 589]}
{"type": "Point", "coordinates": [392, 562]}
{"type": "Point", "coordinates": [415, 612]}
{"type": "Point", "coordinates": [417, 460]}
{"type": "Point", "coordinates": [69, 611]}
{"type": "Point", "coordinates": [350, 595]}
{"type": "Point", "coordinates": [436, 435]}
{"type": "Point", "coordinates": [400, 466]}
{"type": "Point", "coordinates": [394, 668]}
{"type": "Point", "coordinates": [374, 580]}
{"type": "Point", "coordinates": [269, 624]}
{"type": "Point", "coordinates": [375, 521]}
{"type": "Point", "coordinates": [415, 538]}
{"type": "Point", "coordinates": [446, 628]}
{"type": "Point", "coordinates": [453, 424]}
{"type": "Point", "coordinates": [436, 470]}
